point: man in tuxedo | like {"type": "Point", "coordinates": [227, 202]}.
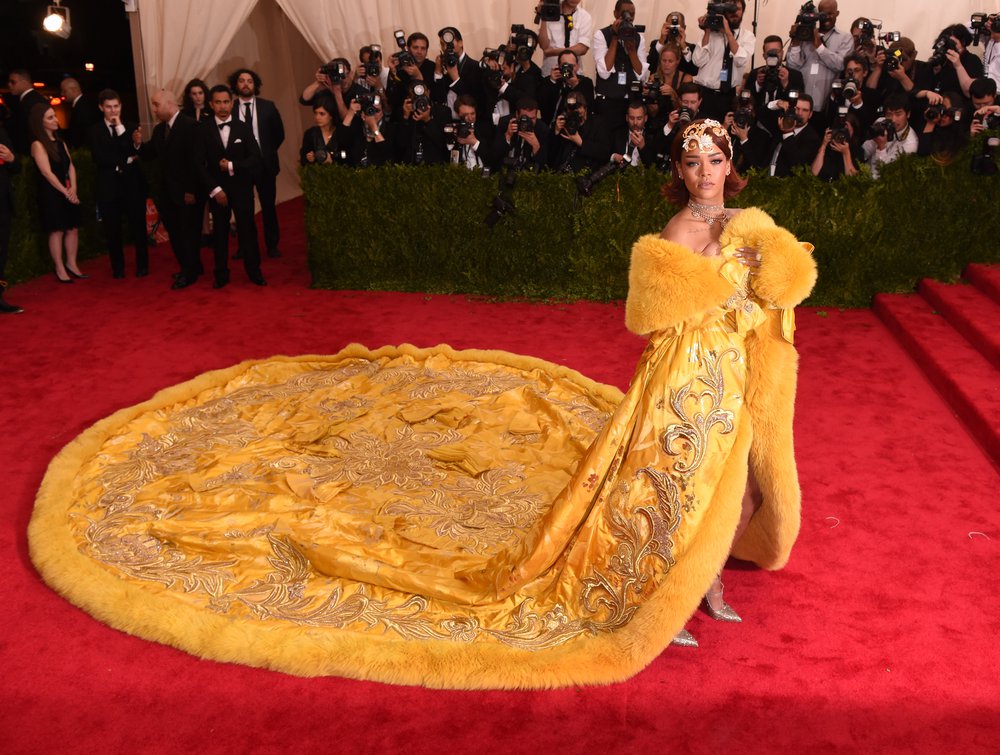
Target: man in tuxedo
{"type": "Point", "coordinates": [632, 142]}
{"type": "Point", "coordinates": [22, 100]}
{"type": "Point", "coordinates": [473, 150]}
{"type": "Point", "coordinates": [177, 146]}
{"type": "Point", "coordinates": [797, 143]}
{"type": "Point", "coordinates": [519, 148]}
{"type": "Point", "coordinates": [579, 140]}
{"type": "Point", "coordinates": [9, 164]}
{"type": "Point", "coordinates": [269, 132]}
{"type": "Point", "coordinates": [450, 81]}
{"type": "Point", "coordinates": [83, 115]}
{"type": "Point", "coordinates": [120, 187]}
{"type": "Point", "coordinates": [402, 77]}
{"type": "Point", "coordinates": [772, 81]}
{"type": "Point", "coordinates": [563, 78]}
{"type": "Point", "coordinates": [231, 162]}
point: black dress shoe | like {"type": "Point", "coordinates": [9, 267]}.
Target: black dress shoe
{"type": "Point", "coordinates": [118, 274]}
{"type": "Point", "coordinates": [63, 280]}
{"type": "Point", "coordinates": [9, 309]}
{"type": "Point", "coordinates": [258, 280]}
{"type": "Point", "coordinates": [141, 273]}
{"type": "Point", "coordinates": [273, 253]}
{"type": "Point", "coordinates": [76, 275]}
{"type": "Point", "coordinates": [181, 282]}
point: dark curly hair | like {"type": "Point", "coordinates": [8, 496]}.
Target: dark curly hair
{"type": "Point", "coordinates": [257, 83]}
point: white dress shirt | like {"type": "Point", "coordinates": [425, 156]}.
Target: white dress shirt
{"type": "Point", "coordinates": [582, 31]}
{"type": "Point", "coordinates": [709, 58]}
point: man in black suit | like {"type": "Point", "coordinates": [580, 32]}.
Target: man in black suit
{"type": "Point", "coordinates": [9, 164]}
{"type": "Point", "coordinates": [798, 143]}
{"type": "Point", "coordinates": [773, 81]}
{"type": "Point", "coordinates": [23, 99]}
{"type": "Point", "coordinates": [554, 87]}
{"type": "Point", "coordinates": [269, 132]}
{"type": "Point", "coordinates": [120, 187]}
{"type": "Point", "coordinates": [83, 115]}
{"type": "Point", "coordinates": [177, 146]}
{"type": "Point", "coordinates": [401, 77]}
{"type": "Point", "coordinates": [519, 148]}
{"type": "Point", "coordinates": [633, 142]}
{"type": "Point", "coordinates": [463, 77]}
{"type": "Point", "coordinates": [231, 162]}
{"type": "Point", "coordinates": [579, 140]}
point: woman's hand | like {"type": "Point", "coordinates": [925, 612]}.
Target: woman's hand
{"type": "Point", "coordinates": [748, 257]}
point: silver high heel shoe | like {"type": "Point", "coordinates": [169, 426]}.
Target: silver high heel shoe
{"type": "Point", "coordinates": [684, 639]}
{"type": "Point", "coordinates": [725, 612]}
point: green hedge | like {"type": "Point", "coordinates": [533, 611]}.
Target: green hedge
{"type": "Point", "coordinates": [407, 228]}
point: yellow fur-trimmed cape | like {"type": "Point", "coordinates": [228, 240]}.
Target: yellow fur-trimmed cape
{"type": "Point", "coordinates": [669, 283]}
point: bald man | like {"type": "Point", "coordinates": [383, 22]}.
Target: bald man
{"type": "Point", "coordinates": [176, 146]}
{"type": "Point", "coordinates": [84, 112]}
{"type": "Point", "coordinates": [820, 58]}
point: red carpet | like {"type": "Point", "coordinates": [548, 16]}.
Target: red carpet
{"type": "Point", "coordinates": [878, 637]}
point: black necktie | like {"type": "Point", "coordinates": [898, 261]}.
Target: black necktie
{"type": "Point", "coordinates": [248, 114]}
{"type": "Point", "coordinates": [113, 130]}
{"type": "Point", "coordinates": [224, 124]}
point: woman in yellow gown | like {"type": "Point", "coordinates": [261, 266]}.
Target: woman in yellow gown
{"type": "Point", "coordinates": [459, 519]}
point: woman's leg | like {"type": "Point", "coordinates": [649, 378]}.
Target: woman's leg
{"type": "Point", "coordinates": [751, 502]}
{"type": "Point", "coordinates": [55, 250]}
{"type": "Point", "coordinates": [72, 245]}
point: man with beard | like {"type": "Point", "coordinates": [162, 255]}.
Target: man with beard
{"type": "Point", "coordinates": [268, 130]}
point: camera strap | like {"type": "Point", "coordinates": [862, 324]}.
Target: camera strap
{"type": "Point", "coordinates": [567, 29]}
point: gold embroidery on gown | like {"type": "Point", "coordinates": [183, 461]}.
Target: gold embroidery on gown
{"type": "Point", "coordinates": [426, 496]}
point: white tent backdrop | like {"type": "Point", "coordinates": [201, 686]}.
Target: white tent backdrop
{"type": "Point", "coordinates": [285, 40]}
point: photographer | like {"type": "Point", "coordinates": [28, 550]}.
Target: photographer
{"type": "Point", "coordinates": [419, 136]}
{"type": "Point", "coordinates": [572, 30]}
{"type": "Point", "coordinates": [673, 33]}
{"type": "Point", "coordinates": [891, 135]}
{"type": "Point", "coordinates": [985, 108]}
{"type": "Point", "coordinates": [366, 136]}
{"type": "Point", "coordinates": [894, 70]}
{"type": "Point", "coordinates": [944, 133]}
{"type": "Point", "coordinates": [838, 152]}
{"type": "Point", "coordinates": [772, 81]}
{"type": "Point", "coordinates": [563, 78]}
{"type": "Point", "coordinates": [372, 74]}
{"type": "Point", "coordinates": [319, 143]}
{"type": "Point", "coordinates": [522, 140]}
{"type": "Point", "coordinates": [722, 57]}
{"type": "Point", "coordinates": [818, 52]}
{"type": "Point", "coordinates": [455, 73]}
{"type": "Point", "coordinates": [951, 67]}
{"type": "Point", "coordinates": [579, 141]}
{"type": "Point", "coordinates": [470, 148]}
{"type": "Point", "coordinates": [863, 34]}
{"type": "Point", "coordinates": [797, 143]}
{"type": "Point", "coordinates": [334, 80]}
{"type": "Point", "coordinates": [633, 142]}
{"type": "Point", "coordinates": [505, 82]}
{"type": "Point", "coordinates": [668, 78]}
{"type": "Point", "coordinates": [616, 55]}
{"type": "Point", "coordinates": [991, 56]}
{"type": "Point", "coordinates": [406, 66]}
{"type": "Point", "coordinates": [751, 141]}
{"type": "Point", "coordinates": [688, 109]}
{"type": "Point", "coordinates": [850, 90]}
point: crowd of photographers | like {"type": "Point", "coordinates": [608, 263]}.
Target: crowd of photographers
{"type": "Point", "coordinates": [825, 97]}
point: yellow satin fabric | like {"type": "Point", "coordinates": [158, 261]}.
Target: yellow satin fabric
{"type": "Point", "coordinates": [424, 495]}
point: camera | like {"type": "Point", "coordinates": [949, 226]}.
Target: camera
{"type": "Point", "coordinates": [335, 71]}
{"type": "Point", "coordinates": [846, 89]}
{"type": "Point", "coordinates": [981, 24]}
{"type": "Point", "coordinates": [991, 121]}
{"type": "Point", "coordinates": [674, 30]}
{"type": "Point", "coordinates": [715, 13]}
{"type": "Point", "coordinates": [937, 112]}
{"type": "Point", "coordinates": [370, 103]}
{"type": "Point", "coordinates": [374, 65]}
{"type": "Point", "coordinates": [455, 130]}
{"type": "Point", "coordinates": [882, 127]}
{"type": "Point", "coordinates": [525, 125]}
{"type": "Point", "coordinates": [743, 118]}
{"type": "Point", "coordinates": [838, 129]}
{"type": "Point", "coordinates": [636, 91]}
{"type": "Point", "coordinates": [940, 55]}
{"type": "Point", "coordinates": [403, 58]}
{"type": "Point", "coordinates": [628, 31]}
{"type": "Point", "coordinates": [807, 20]}
{"type": "Point", "coordinates": [572, 120]}
{"type": "Point", "coordinates": [524, 41]}
{"type": "Point", "coordinates": [449, 58]}
{"type": "Point", "coordinates": [492, 76]}
{"type": "Point", "coordinates": [772, 63]}
{"type": "Point", "coordinates": [866, 32]}
{"type": "Point", "coordinates": [684, 115]}
{"type": "Point", "coordinates": [567, 73]}
{"type": "Point", "coordinates": [548, 10]}
{"type": "Point", "coordinates": [893, 60]}
{"type": "Point", "coordinates": [787, 117]}
{"type": "Point", "coordinates": [585, 184]}
{"type": "Point", "coordinates": [984, 164]}
{"type": "Point", "coordinates": [420, 99]}
{"type": "Point", "coordinates": [320, 156]}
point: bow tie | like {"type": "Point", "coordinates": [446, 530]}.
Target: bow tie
{"type": "Point", "coordinates": [224, 124]}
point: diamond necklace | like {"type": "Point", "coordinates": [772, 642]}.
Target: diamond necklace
{"type": "Point", "coordinates": [702, 211]}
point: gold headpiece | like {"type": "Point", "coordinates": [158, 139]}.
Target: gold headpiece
{"type": "Point", "coordinates": [696, 137]}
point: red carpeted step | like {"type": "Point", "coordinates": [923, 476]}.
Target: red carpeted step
{"type": "Point", "coordinates": [971, 312]}
{"type": "Point", "coordinates": [984, 277]}
{"type": "Point", "coordinates": [969, 383]}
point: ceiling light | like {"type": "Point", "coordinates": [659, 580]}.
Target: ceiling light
{"type": "Point", "coordinates": [56, 21]}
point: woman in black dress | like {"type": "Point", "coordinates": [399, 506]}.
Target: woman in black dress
{"type": "Point", "coordinates": [319, 142]}
{"type": "Point", "coordinates": [57, 197]}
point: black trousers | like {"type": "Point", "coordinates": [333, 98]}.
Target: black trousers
{"type": "Point", "coordinates": [183, 224]}
{"type": "Point", "coordinates": [5, 227]}
{"type": "Point", "coordinates": [267, 193]}
{"type": "Point", "coordinates": [240, 206]}
{"type": "Point", "coordinates": [130, 208]}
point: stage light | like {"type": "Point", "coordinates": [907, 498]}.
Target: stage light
{"type": "Point", "coordinates": [56, 21]}
{"type": "Point", "coordinates": [88, 67]}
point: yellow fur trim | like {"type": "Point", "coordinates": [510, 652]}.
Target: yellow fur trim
{"type": "Point", "coordinates": [668, 283]}
{"type": "Point", "coordinates": [312, 651]}
{"type": "Point", "coordinates": [787, 271]}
